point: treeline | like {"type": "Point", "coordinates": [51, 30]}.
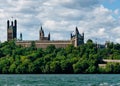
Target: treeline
{"type": "Point", "coordinates": [83, 59]}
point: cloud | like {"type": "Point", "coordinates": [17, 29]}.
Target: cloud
{"type": "Point", "coordinates": [75, 4]}
{"type": "Point", "coordinates": [60, 17]}
{"type": "Point", "coordinates": [116, 11]}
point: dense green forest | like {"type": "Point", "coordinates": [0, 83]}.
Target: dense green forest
{"type": "Point", "coordinates": [83, 59]}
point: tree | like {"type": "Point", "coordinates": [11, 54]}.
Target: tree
{"type": "Point", "coordinates": [33, 46]}
{"type": "Point", "coordinates": [69, 49]}
{"type": "Point", "coordinates": [55, 67]}
{"type": "Point", "coordinates": [91, 69]}
{"type": "Point", "coordinates": [12, 68]}
{"type": "Point", "coordinates": [50, 49]}
{"type": "Point", "coordinates": [89, 41]}
{"type": "Point", "coordinates": [80, 66]}
{"type": "Point", "coordinates": [4, 65]}
{"type": "Point", "coordinates": [66, 67]}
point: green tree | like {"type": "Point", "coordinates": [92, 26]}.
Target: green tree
{"type": "Point", "coordinates": [66, 66]}
{"type": "Point", "coordinates": [80, 66]}
{"type": "Point", "coordinates": [55, 67]}
{"type": "Point", "coordinates": [12, 68]}
{"type": "Point", "coordinates": [50, 49]}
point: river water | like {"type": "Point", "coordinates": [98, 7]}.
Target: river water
{"type": "Point", "coordinates": [61, 80]}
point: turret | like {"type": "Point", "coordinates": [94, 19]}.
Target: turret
{"type": "Point", "coordinates": [71, 35]}
{"type": "Point", "coordinates": [15, 23]}
{"type": "Point", "coordinates": [41, 34]}
{"type": "Point", "coordinates": [83, 34]}
{"type": "Point", "coordinates": [11, 23]}
{"type": "Point", "coordinates": [76, 31]}
{"type": "Point", "coordinates": [15, 28]}
{"type": "Point", "coordinates": [20, 36]}
{"type": "Point", "coordinates": [8, 24]}
{"type": "Point", "coordinates": [49, 36]}
{"type": "Point", "coordinates": [78, 38]}
{"type": "Point", "coordinates": [11, 30]}
{"type": "Point", "coordinates": [83, 37]}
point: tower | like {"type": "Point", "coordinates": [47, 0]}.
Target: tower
{"type": "Point", "coordinates": [11, 30]}
{"type": "Point", "coordinates": [49, 36]}
{"type": "Point", "coordinates": [20, 36]}
{"type": "Point", "coordinates": [77, 38]}
{"type": "Point", "coordinates": [41, 34]}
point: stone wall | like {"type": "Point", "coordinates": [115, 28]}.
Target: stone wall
{"type": "Point", "coordinates": [44, 44]}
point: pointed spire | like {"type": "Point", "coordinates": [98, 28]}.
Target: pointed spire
{"type": "Point", "coordinates": [71, 35]}
{"type": "Point", "coordinates": [49, 36]}
{"type": "Point", "coordinates": [83, 34]}
{"type": "Point", "coordinates": [76, 30]}
{"type": "Point", "coordinates": [41, 33]}
{"type": "Point", "coordinates": [15, 23]}
{"type": "Point", "coordinates": [41, 28]}
{"type": "Point", "coordinates": [11, 23]}
{"type": "Point", "coordinates": [8, 24]}
{"type": "Point", "coordinates": [20, 36]}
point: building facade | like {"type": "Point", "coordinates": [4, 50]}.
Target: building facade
{"type": "Point", "coordinates": [42, 36]}
{"type": "Point", "coordinates": [11, 30]}
{"type": "Point", "coordinates": [76, 38]}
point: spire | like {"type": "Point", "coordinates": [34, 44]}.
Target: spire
{"type": "Point", "coordinates": [20, 36]}
{"type": "Point", "coordinates": [49, 36]}
{"type": "Point", "coordinates": [76, 30]}
{"type": "Point", "coordinates": [83, 34]}
{"type": "Point", "coordinates": [8, 24]}
{"type": "Point", "coordinates": [41, 33]}
{"type": "Point", "coordinates": [41, 28]}
{"type": "Point", "coordinates": [71, 35]}
{"type": "Point", "coordinates": [11, 23]}
{"type": "Point", "coordinates": [15, 23]}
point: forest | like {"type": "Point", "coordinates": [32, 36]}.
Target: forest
{"type": "Point", "coordinates": [83, 59]}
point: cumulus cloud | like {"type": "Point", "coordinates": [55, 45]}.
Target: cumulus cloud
{"type": "Point", "coordinates": [116, 11]}
{"type": "Point", "coordinates": [60, 17]}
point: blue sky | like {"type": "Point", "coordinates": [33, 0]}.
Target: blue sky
{"type": "Point", "coordinates": [98, 19]}
{"type": "Point", "coordinates": [111, 4]}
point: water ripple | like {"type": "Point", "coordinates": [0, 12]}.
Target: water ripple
{"type": "Point", "coordinates": [60, 80]}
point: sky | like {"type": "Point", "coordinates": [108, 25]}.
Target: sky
{"type": "Point", "coordinates": [98, 19]}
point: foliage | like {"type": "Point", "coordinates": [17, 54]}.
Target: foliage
{"type": "Point", "coordinates": [82, 59]}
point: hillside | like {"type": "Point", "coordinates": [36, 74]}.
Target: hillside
{"type": "Point", "coordinates": [83, 59]}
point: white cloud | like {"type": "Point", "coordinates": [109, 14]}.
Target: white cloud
{"type": "Point", "coordinates": [60, 17]}
{"type": "Point", "coordinates": [116, 11]}
{"type": "Point", "coordinates": [117, 40]}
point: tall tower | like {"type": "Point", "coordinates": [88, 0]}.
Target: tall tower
{"type": "Point", "coordinates": [41, 34]}
{"type": "Point", "coordinates": [77, 38]}
{"type": "Point", "coordinates": [49, 36]}
{"type": "Point", "coordinates": [11, 30]}
{"type": "Point", "coordinates": [20, 36]}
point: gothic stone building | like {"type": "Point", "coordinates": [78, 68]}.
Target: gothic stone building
{"type": "Point", "coordinates": [11, 30]}
{"type": "Point", "coordinates": [76, 39]}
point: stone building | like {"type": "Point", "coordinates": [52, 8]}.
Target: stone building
{"type": "Point", "coordinates": [76, 39]}
{"type": "Point", "coordinates": [42, 36]}
{"type": "Point", "coordinates": [11, 30]}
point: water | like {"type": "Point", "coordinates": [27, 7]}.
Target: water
{"type": "Point", "coordinates": [61, 80]}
